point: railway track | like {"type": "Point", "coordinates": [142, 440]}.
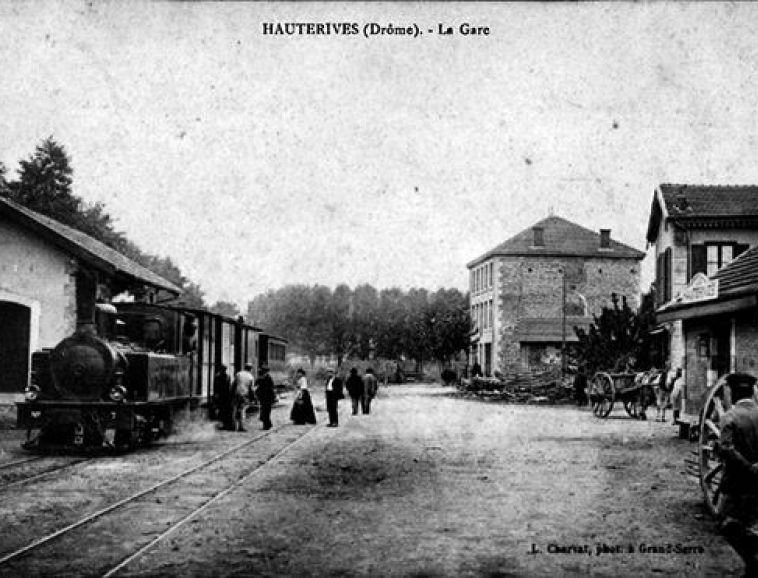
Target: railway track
{"type": "Point", "coordinates": [10, 478]}
{"type": "Point", "coordinates": [238, 478]}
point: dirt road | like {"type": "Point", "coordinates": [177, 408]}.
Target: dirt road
{"type": "Point", "coordinates": [429, 485]}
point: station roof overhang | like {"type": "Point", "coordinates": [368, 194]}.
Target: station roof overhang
{"type": "Point", "coordinates": [728, 304]}
{"type": "Point", "coordinates": [85, 248]}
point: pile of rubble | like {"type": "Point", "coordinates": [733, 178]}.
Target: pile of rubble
{"type": "Point", "coordinates": [547, 386]}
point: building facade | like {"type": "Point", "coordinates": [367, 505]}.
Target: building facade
{"type": "Point", "coordinates": [50, 279]}
{"type": "Point", "coordinates": [705, 274]}
{"type": "Point", "coordinates": [529, 292]}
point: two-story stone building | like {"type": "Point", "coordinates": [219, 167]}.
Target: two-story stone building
{"type": "Point", "coordinates": [705, 294]}
{"type": "Point", "coordinates": [529, 292]}
{"type": "Point", "coordinates": [50, 278]}
{"type": "Point", "coordinates": [697, 229]}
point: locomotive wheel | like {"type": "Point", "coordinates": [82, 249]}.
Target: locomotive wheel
{"type": "Point", "coordinates": [711, 468]}
{"type": "Point", "coordinates": [603, 394]}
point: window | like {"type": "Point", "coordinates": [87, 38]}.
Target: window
{"type": "Point", "coordinates": [491, 314]}
{"type": "Point", "coordinates": [492, 269]}
{"type": "Point", "coordinates": [710, 257]}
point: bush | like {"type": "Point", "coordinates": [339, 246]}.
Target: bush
{"type": "Point", "coordinates": [448, 376]}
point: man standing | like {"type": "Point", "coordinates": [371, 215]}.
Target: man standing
{"type": "Point", "coordinates": [222, 395]}
{"type": "Point", "coordinates": [333, 395]}
{"type": "Point", "coordinates": [738, 447]}
{"type": "Point", "coordinates": [369, 390]}
{"type": "Point", "coordinates": [264, 391]}
{"type": "Point", "coordinates": [355, 389]}
{"type": "Point", "coordinates": [243, 383]}
{"type": "Point", "coordinates": [675, 397]}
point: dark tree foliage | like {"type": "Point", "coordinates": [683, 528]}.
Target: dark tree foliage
{"type": "Point", "coordinates": [45, 185]}
{"type": "Point", "coordinates": [618, 338]}
{"type": "Point", "coordinates": [225, 308]}
{"type": "Point", "coordinates": [363, 322]}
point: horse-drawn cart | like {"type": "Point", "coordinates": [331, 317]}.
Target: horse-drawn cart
{"type": "Point", "coordinates": [634, 390]}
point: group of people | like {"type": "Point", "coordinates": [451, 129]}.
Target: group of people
{"type": "Point", "coordinates": [362, 391]}
{"type": "Point", "coordinates": [232, 396]}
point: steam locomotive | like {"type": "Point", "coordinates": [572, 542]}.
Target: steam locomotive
{"type": "Point", "coordinates": [123, 381]}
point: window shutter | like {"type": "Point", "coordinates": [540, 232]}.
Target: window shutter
{"type": "Point", "coordinates": [698, 260]}
{"type": "Point", "coordinates": [667, 273]}
{"type": "Point", "coordinates": [659, 280]}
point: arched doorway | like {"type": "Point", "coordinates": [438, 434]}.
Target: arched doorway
{"type": "Point", "coordinates": [15, 322]}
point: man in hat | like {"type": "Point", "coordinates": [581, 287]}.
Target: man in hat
{"type": "Point", "coordinates": [264, 391]}
{"type": "Point", "coordinates": [738, 447]}
{"type": "Point", "coordinates": [333, 387]}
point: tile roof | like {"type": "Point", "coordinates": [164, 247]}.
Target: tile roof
{"type": "Point", "coordinates": [83, 246]}
{"type": "Point", "coordinates": [710, 201]}
{"type": "Point", "coordinates": [739, 276]}
{"type": "Point", "coordinates": [561, 238]}
{"type": "Point", "coordinates": [549, 329]}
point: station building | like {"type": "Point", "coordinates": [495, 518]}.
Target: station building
{"type": "Point", "coordinates": [51, 276]}
{"type": "Point", "coordinates": [706, 282]}
{"type": "Point", "coordinates": [529, 292]}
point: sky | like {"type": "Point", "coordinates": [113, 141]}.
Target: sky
{"type": "Point", "coordinates": [256, 160]}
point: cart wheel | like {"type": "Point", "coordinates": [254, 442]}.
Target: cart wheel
{"type": "Point", "coordinates": [711, 468]}
{"type": "Point", "coordinates": [603, 394]}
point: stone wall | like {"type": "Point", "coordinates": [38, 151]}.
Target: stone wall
{"type": "Point", "coordinates": [532, 287]}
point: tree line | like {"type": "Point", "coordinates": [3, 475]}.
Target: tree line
{"type": "Point", "coordinates": [362, 323]}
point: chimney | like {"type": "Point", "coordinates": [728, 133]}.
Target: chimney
{"type": "Point", "coordinates": [539, 236]}
{"type": "Point", "coordinates": [605, 238]}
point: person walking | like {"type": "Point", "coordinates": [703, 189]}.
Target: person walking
{"type": "Point", "coordinates": [264, 392]}
{"type": "Point", "coordinates": [738, 448]}
{"type": "Point", "coordinates": [302, 408]}
{"type": "Point", "coordinates": [222, 395]}
{"type": "Point", "coordinates": [370, 385]}
{"type": "Point", "coordinates": [333, 389]}
{"type": "Point", "coordinates": [242, 388]}
{"type": "Point", "coordinates": [355, 389]}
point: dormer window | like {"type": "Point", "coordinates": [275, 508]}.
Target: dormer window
{"type": "Point", "coordinates": [539, 236]}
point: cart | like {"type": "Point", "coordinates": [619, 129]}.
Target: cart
{"type": "Point", "coordinates": [634, 390]}
{"type": "Point", "coordinates": [716, 402]}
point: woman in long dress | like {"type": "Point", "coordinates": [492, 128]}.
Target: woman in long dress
{"type": "Point", "coordinates": [302, 409]}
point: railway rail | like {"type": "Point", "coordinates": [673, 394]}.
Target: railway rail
{"type": "Point", "coordinates": [21, 465]}
{"type": "Point", "coordinates": [19, 553]}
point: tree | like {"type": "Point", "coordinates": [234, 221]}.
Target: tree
{"type": "Point", "coordinates": [44, 184]}
{"type": "Point", "coordinates": [618, 339]}
{"type": "Point", "coordinates": [225, 308]}
{"type": "Point", "coordinates": [364, 321]}
{"type": "Point", "coordinates": [339, 320]}
{"type": "Point", "coordinates": [449, 324]}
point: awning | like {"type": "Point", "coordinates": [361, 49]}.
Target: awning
{"type": "Point", "coordinates": [707, 309]}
